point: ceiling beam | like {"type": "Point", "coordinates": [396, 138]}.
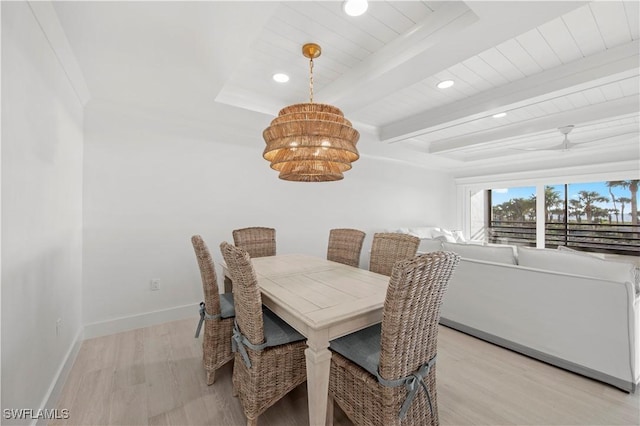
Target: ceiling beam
{"type": "Point", "coordinates": [599, 66]}
{"type": "Point", "coordinates": [447, 46]}
{"type": "Point", "coordinates": [444, 23]}
{"type": "Point", "coordinates": [614, 108]}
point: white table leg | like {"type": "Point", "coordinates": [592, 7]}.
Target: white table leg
{"type": "Point", "coordinates": [318, 359]}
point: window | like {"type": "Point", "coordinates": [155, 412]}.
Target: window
{"type": "Point", "coordinates": [596, 216]}
{"type": "Point", "coordinates": [513, 216]}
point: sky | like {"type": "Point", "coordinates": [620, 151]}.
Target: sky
{"type": "Point", "coordinates": [500, 195]}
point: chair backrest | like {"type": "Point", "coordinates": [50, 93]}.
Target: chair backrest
{"type": "Point", "coordinates": [208, 274]}
{"type": "Point", "coordinates": [412, 311]}
{"type": "Point", "coordinates": [257, 241]}
{"type": "Point", "coordinates": [345, 246]}
{"type": "Point", "coordinates": [246, 294]}
{"type": "Point", "coordinates": [389, 248]}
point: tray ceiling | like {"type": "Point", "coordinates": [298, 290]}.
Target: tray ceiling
{"type": "Point", "coordinates": [546, 64]}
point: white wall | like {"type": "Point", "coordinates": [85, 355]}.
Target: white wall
{"type": "Point", "coordinates": [42, 140]}
{"type": "Point", "coordinates": [150, 185]}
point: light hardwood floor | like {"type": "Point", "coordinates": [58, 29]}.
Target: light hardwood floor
{"type": "Point", "coordinates": [154, 376]}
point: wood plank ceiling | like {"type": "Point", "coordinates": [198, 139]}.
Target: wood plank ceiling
{"type": "Point", "coordinates": [545, 64]}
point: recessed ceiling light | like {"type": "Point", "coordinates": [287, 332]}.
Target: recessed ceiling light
{"type": "Point", "coordinates": [280, 77]}
{"type": "Point", "coordinates": [355, 7]}
{"type": "Point", "coordinates": [499, 115]}
{"type": "Point", "coordinates": [445, 84]}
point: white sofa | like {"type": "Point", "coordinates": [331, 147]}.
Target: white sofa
{"type": "Point", "coordinates": [571, 310]}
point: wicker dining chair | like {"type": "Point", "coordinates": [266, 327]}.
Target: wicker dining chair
{"type": "Point", "coordinates": [389, 248]}
{"type": "Point", "coordinates": [345, 246]}
{"type": "Point", "coordinates": [216, 312]}
{"type": "Point", "coordinates": [385, 374]}
{"type": "Point", "coordinates": [257, 241]}
{"type": "Point", "coordinates": [269, 358]}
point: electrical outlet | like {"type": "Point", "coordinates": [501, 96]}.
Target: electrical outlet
{"type": "Point", "coordinates": [155, 284]}
{"type": "Point", "coordinates": [58, 326]}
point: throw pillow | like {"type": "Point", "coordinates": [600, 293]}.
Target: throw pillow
{"type": "Point", "coordinates": [443, 235]}
{"type": "Point", "coordinates": [422, 231]}
{"type": "Point", "coordinates": [459, 237]}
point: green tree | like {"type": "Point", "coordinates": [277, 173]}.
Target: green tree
{"type": "Point", "coordinates": [623, 202]}
{"type": "Point", "coordinates": [523, 209]}
{"type": "Point", "coordinates": [529, 207]}
{"type": "Point", "coordinates": [589, 199]}
{"type": "Point", "coordinates": [599, 214]}
{"type": "Point", "coordinates": [497, 213]}
{"type": "Point", "coordinates": [552, 201]}
{"type": "Point", "coordinates": [576, 209]}
{"type": "Point", "coordinates": [632, 186]}
{"type": "Point", "coordinates": [559, 212]}
{"type": "Point", "coordinates": [610, 185]}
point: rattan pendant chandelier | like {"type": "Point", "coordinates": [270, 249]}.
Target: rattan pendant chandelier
{"type": "Point", "coordinates": [311, 142]}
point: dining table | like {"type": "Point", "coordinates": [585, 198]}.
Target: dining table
{"type": "Point", "coordinates": [323, 300]}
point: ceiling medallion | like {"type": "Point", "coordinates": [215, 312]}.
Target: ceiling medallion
{"type": "Point", "coordinates": [311, 142]}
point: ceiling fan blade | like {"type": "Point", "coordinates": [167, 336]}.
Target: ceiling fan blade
{"type": "Point", "coordinates": [551, 148]}
{"type": "Point", "coordinates": [568, 145]}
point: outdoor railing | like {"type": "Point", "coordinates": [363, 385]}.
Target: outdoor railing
{"type": "Point", "coordinates": [609, 238]}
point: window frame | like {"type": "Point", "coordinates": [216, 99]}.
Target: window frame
{"type": "Point", "coordinates": [574, 235]}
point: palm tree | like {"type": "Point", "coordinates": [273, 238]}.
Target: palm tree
{"type": "Point", "coordinates": [623, 201]}
{"type": "Point", "coordinates": [632, 186]}
{"type": "Point", "coordinates": [516, 209]}
{"type": "Point", "coordinates": [530, 208]}
{"type": "Point", "coordinates": [610, 185]}
{"type": "Point", "coordinates": [598, 214]}
{"type": "Point", "coordinates": [588, 199]}
{"type": "Point", "coordinates": [551, 200]}
{"type": "Point", "coordinates": [559, 212]}
{"type": "Point", "coordinates": [576, 209]}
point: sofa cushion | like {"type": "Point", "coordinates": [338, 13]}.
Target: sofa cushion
{"type": "Point", "coordinates": [486, 253]}
{"type": "Point", "coordinates": [429, 244]}
{"type": "Point", "coordinates": [582, 253]}
{"type": "Point", "coordinates": [576, 264]}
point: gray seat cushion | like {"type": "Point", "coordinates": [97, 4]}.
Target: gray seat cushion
{"type": "Point", "coordinates": [361, 348]}
{"type": "Point", "coordinates": [276, 331]}
{"type": "Point", "coordinates": [227, 309]}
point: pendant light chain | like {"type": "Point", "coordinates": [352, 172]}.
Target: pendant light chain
{"type": "Point", "coordinates": [309, 142]}
{"type": "Point", "coordinates": [311, 80]}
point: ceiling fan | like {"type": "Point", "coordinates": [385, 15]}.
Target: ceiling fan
{"type": "Point", "coordinates": [565, 145]}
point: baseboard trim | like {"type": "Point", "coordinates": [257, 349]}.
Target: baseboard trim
{"type": "Point", "coordinates": [117, 325]}
{"type": "Point", "coordinates": [53, 393]}
{"type": "Point", "coordinates": [624, 385]}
